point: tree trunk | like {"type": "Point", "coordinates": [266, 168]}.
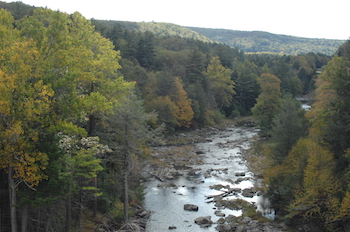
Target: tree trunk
{"type": "Point", "coordinates": [69, 211]}
{"type": "Point", "coordinates": [94, 203]}
{"type": "Point", "coordinates": [92, 125]}
{"type": "Point", "coordinates": [24, 224]}
{"type": "Point", "coordinates": [126, 192]}
{"type": "Point", "coordinates": [12, 199]}
{"type": "Point", "coordinates": [80, 217]}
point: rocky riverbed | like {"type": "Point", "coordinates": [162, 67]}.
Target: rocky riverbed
{"type": "Point", "coordinates": [204, 184]}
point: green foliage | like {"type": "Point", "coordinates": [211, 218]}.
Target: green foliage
{"type": "Point", "coordinates": [159, 29]}
{"type": "Point", "coordinates": [24, 106]}
{"type": "Point", "coordinates": [259, 41]}
{"type": "Point", "coordinates": [57, 76]}
{"type": "Point", "coordinates": [18, 9]}
{"type": "Point", "coordinates": [247, 89]}
{"type": "Point", "coordinates": [268, 103]}
{"type": "Point", "coordinates": [290, 83]}
{"type": "Point", "coordinates": [317, 198]}
{"type": "Point", "coordinates": [308, 181]}
{"type": "Point", "coordinates": [289, 125]}
{"type": "Point", "coordinates": [220, 83]}
{"type": "Point", "coordinates": [61, 79]}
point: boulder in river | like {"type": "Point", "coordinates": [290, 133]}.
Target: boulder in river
{"type": "Point", "coordinates": [219, 213]}
{"type": "Point", "coordinates": [190, 207]}
{"type": "Point", "coordinates": [249, 192]}
{"type": "Point", "coordinates": [240, 174]}
{"type": "Point", "coordinates": [226, 227]}
{"type": "Point", "coordinates": [240, 179]}
{"type": "Point", "coordinates": [203, 221]}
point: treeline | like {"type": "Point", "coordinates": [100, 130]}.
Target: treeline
{"type": "Point", "coordinates": [154, 62]}
{"type": "Point", "coordinates": [158, 29]}
{"type": "Point", "coordinates": [304, 157]}
{"type": "Point", "coordinates": [260, 41]}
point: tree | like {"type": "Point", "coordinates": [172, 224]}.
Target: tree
{"type": "Point", "coordinates": [288, 126]}
{"type": "Point", "coordinates": [283, 179]}
{"type": "Point", "coordinates": [166, 110]}
{"type": "Point", "coordinates": [247, 88]}
{"type": "Point", "coordinates": [24, 108]}
{"type": "Point", "coordinates": [195, 68]}
{"type": "Point", "coordinates": [128, 133]}
{"type": "Point", "coordinates": [330, 114]}
{"type": "Point", "coordinates": [290, 83]}
{"type": "Point", "coordinates": [317, 198]}
{"type": "Point", "coordinates": [83, 166]}
{"type": "Point", "coordinates": [80, 65]}
{"type": "Point", "coordinates": [220, 83]}
{"type": "Point", "coordinates": [184, 113]}
{"type": "Point", "coordinates": [268, 103]}
{"type": "Point", "coordinates": [227, 54]}
{"type": "Point", "coordinates": [59, 75]}
{"type": "Point", "coordinates": [171, 102]}
{"type": "Point", "coordinates": [145, 51]}
{"type": "Point", "coordinates": [199, 103]}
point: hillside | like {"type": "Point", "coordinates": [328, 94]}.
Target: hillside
{"type": "Point", "coordinates": [159, 29]}
{"type": "Point", "coordinates": [259, 41]}
{"type": "Point", "coordinates": [247, 41]}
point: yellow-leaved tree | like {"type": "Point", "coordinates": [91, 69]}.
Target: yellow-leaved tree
{"type": "Point", "coordinates": [268, 103]}
{"type": "Point", "coordinates": [58, 76]}
{"type": "Point", "coordinates": [183, 110]}
{"type": "Point", "coordinates": [173, 105]}
{"type": "Point", "coordinates": [220, 83]}
{"type": "Point", "coordinates": [24, 107]}
{"type": "Point", "coordinates": [316, 198]}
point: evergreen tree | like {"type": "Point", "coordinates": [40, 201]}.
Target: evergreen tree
{"type": "Point", "coordinates": [268, 103]}
{"type": "Point", "coordinates": [247, 88]}
{"type": "Point", "coordinates": [145, 51]}
{"type": "Point", "coordinates": [195, 68]}
{"type": "Point", "coordinates": [128, 134]}
{"type": "Point", "coordinates": [290, 83]}
{"type": "Point", "coordinates": [287, 127]}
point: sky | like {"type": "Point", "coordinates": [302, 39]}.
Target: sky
{"type": "Point", "coordinates": [303, 18]}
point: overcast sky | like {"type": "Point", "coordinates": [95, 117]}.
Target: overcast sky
{"type": "Point", "coordinates": [303, 18]}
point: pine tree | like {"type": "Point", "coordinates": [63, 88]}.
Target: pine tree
{"type": "Point", "coordinates": [268, 103]}
{"type": "Point", "coordinates": [288, 126]}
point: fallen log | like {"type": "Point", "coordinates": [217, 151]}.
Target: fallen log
{"type": "Point", "coordinates": [156, 176]}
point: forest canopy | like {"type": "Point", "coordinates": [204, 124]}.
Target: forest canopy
{"type": "Point", "coordinates": [81, 102]}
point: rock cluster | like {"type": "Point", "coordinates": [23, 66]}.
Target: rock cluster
{"type": "Point", "coordinates": [172, 162]}
{"type": "Point", "coordinates": [240, 224]}
{"type": "Point", "coordinates": [204, 221]}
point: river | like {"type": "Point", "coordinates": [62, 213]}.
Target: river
{"type": "Point", "coordinates": [223, 164]}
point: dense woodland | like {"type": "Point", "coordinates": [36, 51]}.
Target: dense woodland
{"type": "Point", "coordinates": [81, 102]}
{"type": "Point", "coordinates": [247, 41]}
{"type": "Point", "coordinates": [265, 42]}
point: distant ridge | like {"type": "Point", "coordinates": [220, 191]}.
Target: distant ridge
{"type": "Point", "coordinates": [247, 41]}
{"type": "Point", "coordinates": [159, 29]}
{"type": "Point", "coordinates": [265, 42]}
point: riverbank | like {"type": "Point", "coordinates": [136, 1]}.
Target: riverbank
{"type": "Point", "coordinates": [194, 168]}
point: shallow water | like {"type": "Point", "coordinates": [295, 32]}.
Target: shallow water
{"type": "Point", "coordinates": [221, 161]}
